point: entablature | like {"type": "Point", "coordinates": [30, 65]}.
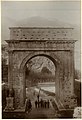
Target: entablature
{"type": "Point", "coordinates": [41, 45]}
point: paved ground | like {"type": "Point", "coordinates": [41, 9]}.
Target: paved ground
{"type": "Point", "coordinates": [40, 113]}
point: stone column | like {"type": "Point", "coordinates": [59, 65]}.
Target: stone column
{"type": "Point", "coordinates": [10, 68]}
{"type": "Point", "coordinates": [9, 99]}
{"type": "Point", "coordinates": [72, 69]}
{"type": "Point", "coordinates": [73, 100]}
{"type": "Point", "coordinates": [20, 94]}
{"type": "Point", "coordinates": [57, 91]}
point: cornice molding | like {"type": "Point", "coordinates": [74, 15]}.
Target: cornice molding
{"type": "Point", "coordinates": [50, 41]}
{"type": "Point", "coordinates": [41, 28]}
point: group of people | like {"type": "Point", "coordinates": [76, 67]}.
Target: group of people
{"type": "Point", "coordinates": [39, 103]}
{"type": "Point", "coordinates": [28, 105]}
{"type": "Point", "coordinates": [42, 104]}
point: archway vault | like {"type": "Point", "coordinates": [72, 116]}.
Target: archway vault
{"type": "Point", "coordinates": [60, 52]}
{"type": "Point", "coordinates": [51, 56]}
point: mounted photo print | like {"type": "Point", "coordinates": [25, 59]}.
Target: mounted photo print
{"type": "Point", "coordinates": [41, 59]}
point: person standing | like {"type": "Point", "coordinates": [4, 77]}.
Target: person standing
{"type": "Point", "coordinates": [36, 103]}
{"type": "Point", "coordinates": [30, 105]}
{"type": "Point", "coordinates": [45, 104]}
{"type": "Point", "coordinates": [41, 103]}
{"type": "Point", "coordinates": [26, 105]}
{"type": "Point", "coordinates": [38, 97]}
{"type": "Point", "coordinates": [48, 103]}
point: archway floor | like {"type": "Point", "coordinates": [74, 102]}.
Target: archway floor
{"type": "Point", "coordinates": [42, 113]}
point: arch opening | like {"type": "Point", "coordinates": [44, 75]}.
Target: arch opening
{"type": "Point", "coordinates": [39, 75]}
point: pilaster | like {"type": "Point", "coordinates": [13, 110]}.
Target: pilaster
{"type": "Point", "coordinates": [10, 68]}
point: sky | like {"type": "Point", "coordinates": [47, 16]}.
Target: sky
{"type": "Point", "coordinates": [18, 13]}
{"type": "Point", "coordinates": [68, 11]}
{"type": "Point", "coordinates": [15, 12]}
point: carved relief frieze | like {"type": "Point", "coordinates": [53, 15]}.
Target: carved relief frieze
{"type": "Point", "coordinates": [40, 45]}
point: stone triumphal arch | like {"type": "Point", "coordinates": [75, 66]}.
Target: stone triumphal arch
{"type": "Point", "coordinates": [55, 43]}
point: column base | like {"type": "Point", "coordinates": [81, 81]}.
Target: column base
{"type": "Point", "coordinates": [9, 105]}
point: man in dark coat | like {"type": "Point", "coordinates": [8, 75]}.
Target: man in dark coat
{"type": "Point", "coordinates": [28, 105]}
{"type": "Point", "coordinates": [36, 103]}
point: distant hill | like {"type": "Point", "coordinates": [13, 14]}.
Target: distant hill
{"type": "Point", "coordinates": [45, 70]}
